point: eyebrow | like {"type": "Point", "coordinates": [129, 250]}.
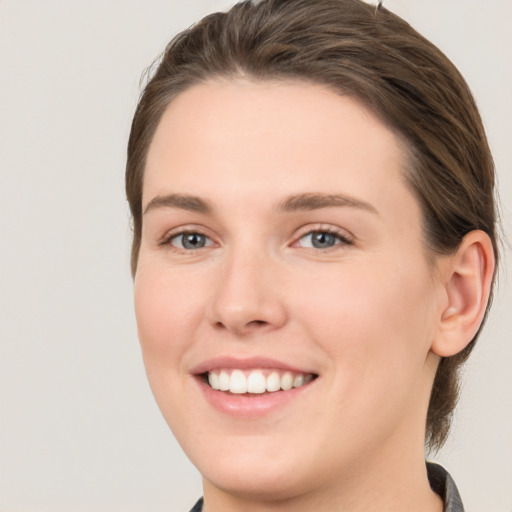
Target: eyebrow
{"type": "Point", "coordinates": [297, 202]}
{"type": "Point", "coordinates": [181, 201]}
{"type": "Point", "coordinates": [316, 201]}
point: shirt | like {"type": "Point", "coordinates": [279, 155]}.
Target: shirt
{"type": "Point", "coordinates": [440, 481]}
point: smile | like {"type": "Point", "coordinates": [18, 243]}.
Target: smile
{"type": "Point", "coordinates": [248, 388]}
{"type": "Point", "coordinates": [256, 381]}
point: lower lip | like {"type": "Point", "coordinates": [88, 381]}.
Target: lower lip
{"type": "Point", "coordinates": [250, 406]}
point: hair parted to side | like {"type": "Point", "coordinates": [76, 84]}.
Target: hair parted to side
{"type": "Point", "coordinates": [375, 56]}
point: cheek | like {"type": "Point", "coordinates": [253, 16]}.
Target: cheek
{"type": "Point", "coordinates": [371, 318]}
{"type": "Point", "coordinates": [163, 315]}
{"type": "Point", "coordinates": [167, 322]}
{"type": "Point", "coordinates": [152, 309]}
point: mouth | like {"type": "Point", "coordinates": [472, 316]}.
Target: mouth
{"type": "Point", "coordinates": [255, 382]}
{"type": "Point", "coordinates": [249, 388]}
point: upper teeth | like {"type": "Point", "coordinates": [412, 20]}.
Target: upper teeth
{"type": "Point", "coordinates": [255, 381]}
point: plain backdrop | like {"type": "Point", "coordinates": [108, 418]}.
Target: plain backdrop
{"type": "Point", "coordinates": [79, 429]}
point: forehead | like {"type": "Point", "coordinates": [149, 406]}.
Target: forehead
{"type": "Point", "coordinates": [233, 137]}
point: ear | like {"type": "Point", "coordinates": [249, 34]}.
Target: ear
{"type": "Point", "coordinates": [466, 277]}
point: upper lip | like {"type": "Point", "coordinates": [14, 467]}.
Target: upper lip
{"type": "Point", "coordinates": [244, 363]}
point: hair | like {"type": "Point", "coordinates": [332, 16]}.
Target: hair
{"type": "Point", "coordinates": [375, 56]}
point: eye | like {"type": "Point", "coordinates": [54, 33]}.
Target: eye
{"type": "Point", "coordinates": [190, 241]}
{"type": "Point", "coordinates": [322, 240]}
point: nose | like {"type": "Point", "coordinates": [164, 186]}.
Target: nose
{"type": "Point", "coordinates": [248, 297]}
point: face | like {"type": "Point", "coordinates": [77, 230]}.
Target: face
{"type": "Point", "coordinates": [284, 302]}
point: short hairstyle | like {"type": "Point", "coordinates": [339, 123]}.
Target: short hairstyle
{"type": "Point", "coordinates": [373, 55]}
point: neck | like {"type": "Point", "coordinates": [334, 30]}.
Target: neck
{"type": "Point", "coordinates": [392, 487]}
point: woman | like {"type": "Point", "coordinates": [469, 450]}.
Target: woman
{"type": "Point", "coordinates": [314, 251]}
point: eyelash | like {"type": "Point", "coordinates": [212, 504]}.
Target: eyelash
{"type": "Point", "coordinates": [167, 240]}
{"type": "Point", "coordinates": [342, 239]}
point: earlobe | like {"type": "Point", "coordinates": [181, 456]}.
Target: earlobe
{"type": "Point", "coordinates": [467, 277]}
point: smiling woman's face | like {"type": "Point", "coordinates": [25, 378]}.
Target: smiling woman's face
{"type": "Point", "coordinates": [281, 248]}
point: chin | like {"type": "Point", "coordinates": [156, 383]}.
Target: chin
{"type": "Point", "coordinates": [249, 478]}
{"type": "Point", "coordinates": [269, 467]}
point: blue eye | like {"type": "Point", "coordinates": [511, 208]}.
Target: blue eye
{"type": "Point", "coordinates": [322, 240]}
{"type": "Point", "coordinates": [190, 241]}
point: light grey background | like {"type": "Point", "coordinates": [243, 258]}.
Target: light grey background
{"type": "Point", "coordinates": [79, 429]}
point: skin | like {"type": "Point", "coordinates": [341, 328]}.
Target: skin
{"type": "Point", "coordinates": [363, 315]}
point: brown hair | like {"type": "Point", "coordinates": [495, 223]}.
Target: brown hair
{"type": "Point", "coordinates": [368, 52]}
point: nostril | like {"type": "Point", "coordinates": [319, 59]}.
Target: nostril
{"type": "Point", "coordinates": [257, 323]}
{"type": "Point", "coordinates": [253, 324]}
